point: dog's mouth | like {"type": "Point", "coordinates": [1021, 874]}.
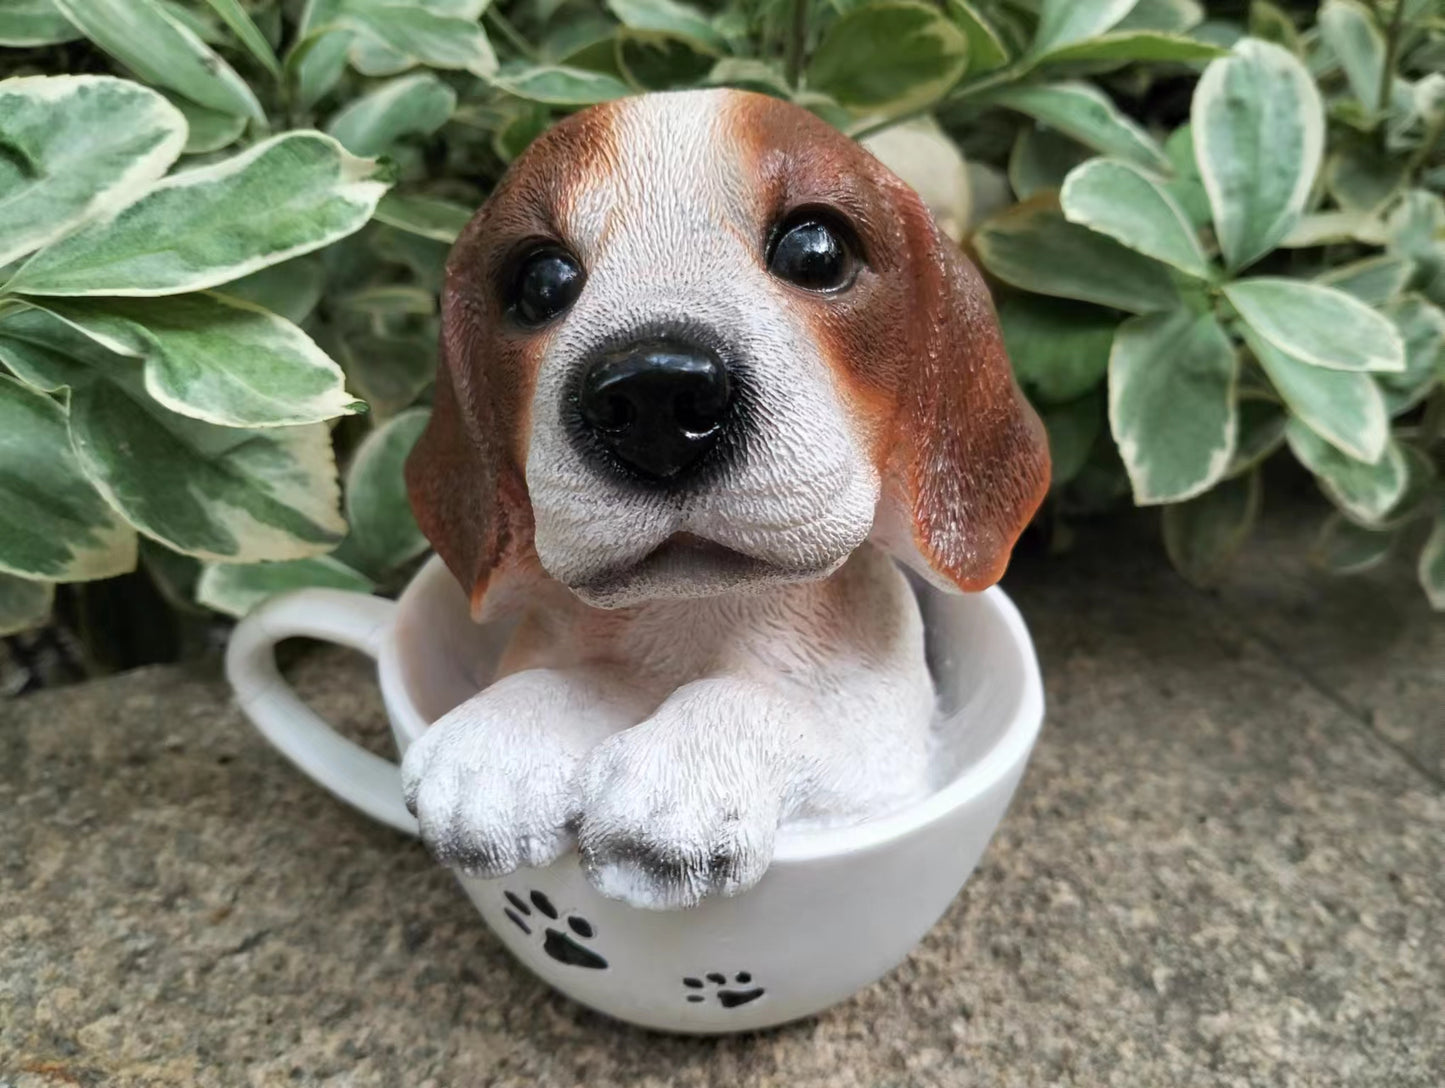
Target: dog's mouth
{"type": "Point", "coordinates": [683, 565]}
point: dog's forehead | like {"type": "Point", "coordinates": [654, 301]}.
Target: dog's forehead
{"type": "Point", "coordinates": [677, 164]}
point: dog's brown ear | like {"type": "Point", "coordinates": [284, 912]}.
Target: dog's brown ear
{"type": "Point", "coordinates": [465, 486]}
{"type": "Point", "coordinates": [970, 461]}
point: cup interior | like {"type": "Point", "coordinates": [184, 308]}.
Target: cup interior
{"type": "Point", "coordinates": [990, 698]}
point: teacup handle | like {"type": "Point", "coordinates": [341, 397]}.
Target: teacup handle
{"type": "Point", "coordinates": [356, 620]}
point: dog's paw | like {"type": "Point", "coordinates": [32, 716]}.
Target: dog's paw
{"type": "Point", "coordinates": [491, 786]}
{"type": "Point", "coordinates": [667, 820]}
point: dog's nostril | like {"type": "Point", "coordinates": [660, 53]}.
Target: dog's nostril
{"type": "Point", "coordinates": [657, 405]}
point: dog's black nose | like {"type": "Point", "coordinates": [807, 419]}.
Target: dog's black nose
{"type": "Point", "coordinates": [658, 405]}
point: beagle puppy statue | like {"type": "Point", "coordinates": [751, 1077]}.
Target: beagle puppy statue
{"type": "Point", "coordinates": [707, 369]}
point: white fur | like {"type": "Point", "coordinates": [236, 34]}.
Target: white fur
{"type": "Point", "coordinates": [689, 698]}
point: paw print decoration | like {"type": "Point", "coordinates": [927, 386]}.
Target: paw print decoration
{"type": "Point", "coordinates": [715, 985]}
{"type": "Point", "coordinates": [565, 937]}
{"type": "Point", "coordinates": [562, 946]}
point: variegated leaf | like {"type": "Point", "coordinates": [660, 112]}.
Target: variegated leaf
{"type": "Point", "coordinates": [53, 525]}
{"type": "Point", "coordinates": [149, 41]}
{"type": "Point", "coordinates": [1084, 113]}
{"type": "Point", "coordinates": [1258, 129]}
{"type": "Point", "coordinates": [1120, 200]}
{"type": "Point", "coordinates": [217, 359]}
{"type": "Point", "coordinates": [289, 195]}
{"type": "Point", "coordinates": [237, 588]}
{"type": "Point", "coordinates": [384, 533]}
{"type": "Point", "coordinates": [1344, 408]}
{"type": "Point", "coordinates": [77, 146]}
{"type": "Point", "coordinates": [414, 105]}
{"type": "Point", "coordinates": [26, 24]}
{"type": "Point", "coordinates": [1366, 492]}
{"type": "Point", "coordinates": [216, 493]}
{"type": "Point", "coordinates": [1032, 245]}
{"type": "Point", "coordinates": [1318, 325]}
{"type": "Point", "coordinates": [1172, 403]}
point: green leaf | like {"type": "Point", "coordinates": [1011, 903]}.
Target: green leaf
{"type": "Point", "coordinates": [1059, 349]}
{"type": "Point", "coordinates": [53, 526]}
{"type": "Point", "coordinates": [895, 54]}
{"type": "Point", "coordinates": [24, 604]}
{"type": "Point", "coordinates": [48, 355]}
{"type": "Point", "coordinates": [749, 74]}
{"type": "Point", "coordinates": [290, 289]}
{"type": "Point", "coordinates": [1374, 280]}
{"type": "Point", "coordinates": [208, 130]}
{"type": "Point", "coordinates": [1186, 186]}
{"type": "Point", "coordinates": [1258, 135]}
{"type": "Point", "coordinates": [1422, 328]}
{"type": "Point", "coordinates": [1062, 22]}
{"type": "Point", "coordinates": [424, 36]}
{"type": "Point", "coordinates": [1432, 563]}
{"type": "Point", "coordinates": [415, 105]}
{"type": "Point", "coordinates": [217, 359]}
{"type": "Point", "coordinates": [383, 532]}
{"type": "Point", "coordinates": [25, 24]}
{"type": "Point", "coordinates": [151, 43]}
{"type": "Point", "coordinates": [1363, 180]}
{"type": "Point", "coordinates": [1365, 491]}
{"type": "Point", "coordinates": [1168, 16]}
{"type": "Point", "coordinates": [284, 197]}
{"type": "Point", "coordinates": [316, 64]}
{"type": "Point", "coordinates": [389, 371]}
{"type": "Point", "coordinates": [1040, 160]}
{"type": "Point", "coordinates": [1317, 325]}
{"type": "Point", "coordinates": [1172, 403]}
{"type": "Point", "coordinates": [1129, 46]}
{"type": "Point", "coordinates": [1268, 22]}
{"type": "Point", "coordinates": [557, 85]}
{"type": "Point", "coordinates": [1351, 33]}
{"type": "Point", "coordinates": [986, 48]}
{"type": "Point", "coordinates": [1203, 535]}
{"type": "Point", "coordinates": [247, 32]}
{"type": "Point", "coordinates": [425, 216]}
{"type": "Point", "coordinates": [1033, 246]}
{"type": "Point", "coordinates": [1342, 407]}
{"type": "Point", "coordinates": [213, 492]}
{"type": "Point", "coordinates": [236, 588]}
{"type": "Point", "coordinates": [73, 147]}
{"type": "Point", "coordinates": [1086, 114]}
{"type": "Point", "coordinates": [669, 19]}
{"type": "Point", "coordinates": [1342, 547]}
{"type": "Point", "coordinates": [1120, 200]}
{"type": "Point", "coordinates": [1072, 429]}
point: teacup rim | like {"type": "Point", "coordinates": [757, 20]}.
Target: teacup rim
{"type": "Point", "coordinates": [805, 844]}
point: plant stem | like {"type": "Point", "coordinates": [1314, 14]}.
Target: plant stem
{"type": "Point", "coordinates": [514, 36]}
{"type": "Point", "coordinates": [797, 44]}
{"type": "Point", "coordinates": [1392, 45]}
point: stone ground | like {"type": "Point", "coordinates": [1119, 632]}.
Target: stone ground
{"type": "Point", "coordinates": [1226, 866]}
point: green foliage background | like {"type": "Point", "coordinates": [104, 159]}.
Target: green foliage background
{"type": "Point", "coordinates": [222, 226]}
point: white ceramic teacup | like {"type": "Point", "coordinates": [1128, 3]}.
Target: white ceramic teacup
{"type": "Point", "coordinates": [837, 908]}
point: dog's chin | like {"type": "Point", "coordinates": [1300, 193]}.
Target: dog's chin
{"type": "Point", "coordinates": [684, 567]}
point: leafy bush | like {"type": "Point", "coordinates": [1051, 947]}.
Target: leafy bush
{"type": "Point", "coordinates": [222, 221]}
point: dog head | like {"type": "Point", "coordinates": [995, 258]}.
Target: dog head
{"type": "Point", "coordinates": [702, 341]}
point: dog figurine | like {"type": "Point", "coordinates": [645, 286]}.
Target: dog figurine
{"type": "Point", "coordinates": [706, 366]}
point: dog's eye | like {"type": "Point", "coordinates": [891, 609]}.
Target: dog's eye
{"type": "Point", "coordinates": [810, 253]}
{"type": "Point", "coordinates": [547, 281]}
